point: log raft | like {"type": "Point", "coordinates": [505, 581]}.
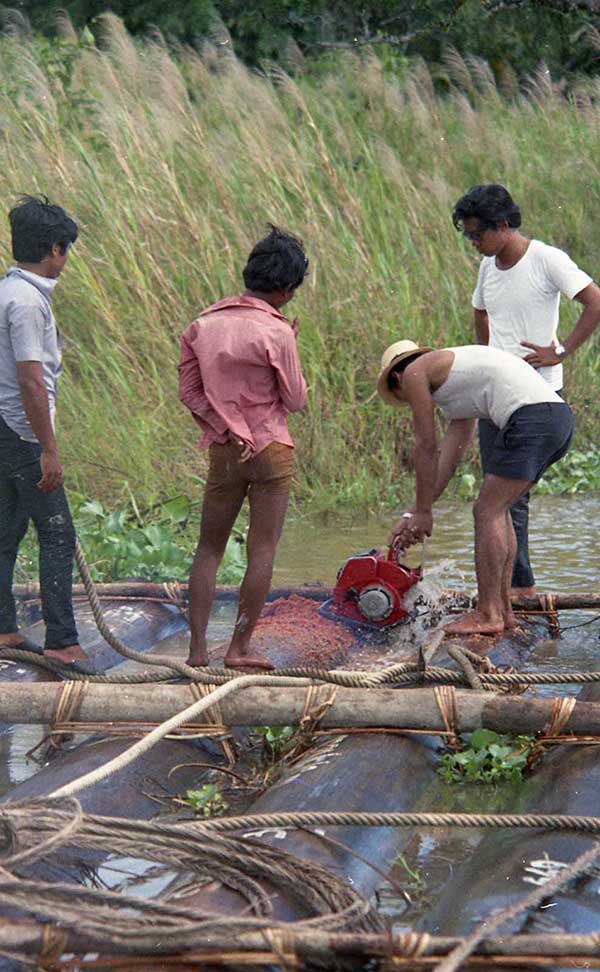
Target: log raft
{"type": "Point", "coordinates": [576, 601]}
{"type": "Point", "coordinates": [411, 708]}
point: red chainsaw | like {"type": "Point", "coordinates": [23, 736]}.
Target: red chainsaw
{"type": "Point", "coordinates": [370, 590]}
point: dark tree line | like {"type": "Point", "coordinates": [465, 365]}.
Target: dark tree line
{"type": "Point", "coordinates": [518, 32]}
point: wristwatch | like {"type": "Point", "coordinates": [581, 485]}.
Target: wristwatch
{"type": "Point", "coordinates": [560, 351]}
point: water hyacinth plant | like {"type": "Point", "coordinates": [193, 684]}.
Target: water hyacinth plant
{"type": "Point", "coordinates": [488, 758]}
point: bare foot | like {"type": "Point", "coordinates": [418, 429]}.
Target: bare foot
{"type": "Point", "coordinates": [475, 623]}
{"type": "Point", "coordinates": [198, 655]}
{"type": "Point", "coordinates": [523, 592]}
{"type": "Point", "coordinates": [252, 660]}
{"type": "Point", "coordinates": [12, 640]}
{"type": "Point", "coordinates": [510, 620]}
{"type": "Point", "coordinates": [197, 659]}
{"type": "Point", "coordinates": [70, 654]}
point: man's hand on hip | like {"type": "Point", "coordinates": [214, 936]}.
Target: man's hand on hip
{"type": "Point", "coordinates": [541, 357]}
{"type": "Point", "coordinates": [247, 452]}
{"type": "Point", "coordinates": [52, 477]}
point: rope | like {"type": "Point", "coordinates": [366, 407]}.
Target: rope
{"type": "Point", "coordinates": [342, 818]}
{"type": "Point", "coordinates": [63, 722]}
{"type": "Point", "coordinates": [139, 926]}
{"type": "Point", "coordinates": [186, 715]}
{"type": "Point", "coordinates": [412, 944]}
{"type": "Point", "coordinates": [460, 656]}
{"type": "Point", "coordinates": [560, 715]}
{"type": "Point", "coordinates": [404, 673]}
{"type": "Point", "coordinates": [54, 942]}
{"type": "Point", "coordinates": [317, 701]}
{"type": "Point", "coordinates": [108, 918]}
{"type": "Point", "coordinates": [278, 939]}
{"type": "Point", "coordinates": [549, 609]}
{"type": "Point", "coordinates": [67, 707]}
{"type": "Point", "coordinates": [156, 660]}
{"type": "Point", "coordinates": [214, 718]}
{"type": "Point", "coordinates": [445, 696]}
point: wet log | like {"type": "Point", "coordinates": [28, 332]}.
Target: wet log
{"type": "Point", "coordinates": [270, 705]}
{"type": "Point", "coordinates": [173, 591]}
{"type": "Point", "coordinates": [583, 600]}
{"type": "Point", "coordinates": [27, 936]}
{"type": "Point", "coordinates": [383, 772]}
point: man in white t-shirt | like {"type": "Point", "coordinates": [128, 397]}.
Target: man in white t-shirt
{"type": "Point", "coordinates": [516, 303]}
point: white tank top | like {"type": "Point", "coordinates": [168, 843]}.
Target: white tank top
{"type": "Point", "coordinates": [490, 384]}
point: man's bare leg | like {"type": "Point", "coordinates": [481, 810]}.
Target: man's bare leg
{"type": "Point", "coordinates": [218, 518]}
{"type": "Point", "coordinates": [494, 548]}
{"type": "Point", "coordinates": [267, 513]}
{"type": "Point", "coordinates": [510, 620]}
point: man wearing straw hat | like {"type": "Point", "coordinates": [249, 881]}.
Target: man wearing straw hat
{"type": "Point", "coordinates": [535, 427]}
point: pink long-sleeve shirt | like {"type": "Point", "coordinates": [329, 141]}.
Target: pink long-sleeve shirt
{"type": "Point", "coordinates": [240, 373]}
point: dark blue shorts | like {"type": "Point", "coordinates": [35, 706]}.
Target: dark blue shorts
{"type": "Point", "coordinates": [534, 437]}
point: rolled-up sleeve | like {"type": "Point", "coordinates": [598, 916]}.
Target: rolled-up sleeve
{"type": "Point", "coordinates": [26, 325]}
{"type": "Point", "coordinates": [284, 358]}
{"type": "Point", "coordinates": [192, 393]}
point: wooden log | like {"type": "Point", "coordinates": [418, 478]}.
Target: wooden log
{"type": "Point", "coordinates": [28, 936]}
{"type": "Point", "coordinates": [577, 601]}
{"type": "Point", "coordinates": [171, 591]}
{"type": "Point", "coordinates": [258, 705]}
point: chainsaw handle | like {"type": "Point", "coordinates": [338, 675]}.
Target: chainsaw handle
{"type": "Point", "coordinates": [395, 551]}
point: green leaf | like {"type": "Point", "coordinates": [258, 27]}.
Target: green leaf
{"type": "Point", "coordinates": [176, 510]}
{"type": "Point", "coordinates": [94, 507]}
{"type": "Point", "coordinates": [482, 738]}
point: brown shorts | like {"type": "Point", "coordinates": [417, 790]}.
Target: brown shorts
{"type": "Point", "coordinates": [268, 473]}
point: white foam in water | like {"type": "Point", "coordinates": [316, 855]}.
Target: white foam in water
{"type": "Point", "coordinates": [429, 598]}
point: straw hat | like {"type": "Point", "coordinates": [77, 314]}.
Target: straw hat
{"type": "Point", "coordinates": [392, 356]}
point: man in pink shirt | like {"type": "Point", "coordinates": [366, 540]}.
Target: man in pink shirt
{"type": "Point", "coordinates": [240, 376]}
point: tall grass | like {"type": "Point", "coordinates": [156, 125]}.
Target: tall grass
{"type": "Point", "coordinates": [173, 164]}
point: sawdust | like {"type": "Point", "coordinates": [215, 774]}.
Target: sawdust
{"type": "Point", "coordinates": [294, 626]}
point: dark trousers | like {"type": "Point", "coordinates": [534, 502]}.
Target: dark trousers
{"type": "Point", "coordinates": [20, 502]}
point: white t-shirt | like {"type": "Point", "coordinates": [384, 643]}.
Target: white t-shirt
{"type": "Point", "coordinates": [490, 384]}
{"type": "Point", "coordinates": [522, 302]}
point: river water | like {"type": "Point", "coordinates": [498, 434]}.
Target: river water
{"type": "Point", "coordinates": [564, 544]}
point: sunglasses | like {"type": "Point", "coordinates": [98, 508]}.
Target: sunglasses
{"type": "Point", "coordinates": [476, 236]}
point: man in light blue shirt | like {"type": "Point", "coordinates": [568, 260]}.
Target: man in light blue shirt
{"type": "Point", "coordinates": [30, 470]}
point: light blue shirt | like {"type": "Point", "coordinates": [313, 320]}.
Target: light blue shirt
{"type": "Point", "coordinates": [28, 332]}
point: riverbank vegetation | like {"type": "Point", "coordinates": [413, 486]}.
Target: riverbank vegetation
{"type": "Point", "coordinates": [173, 162]}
